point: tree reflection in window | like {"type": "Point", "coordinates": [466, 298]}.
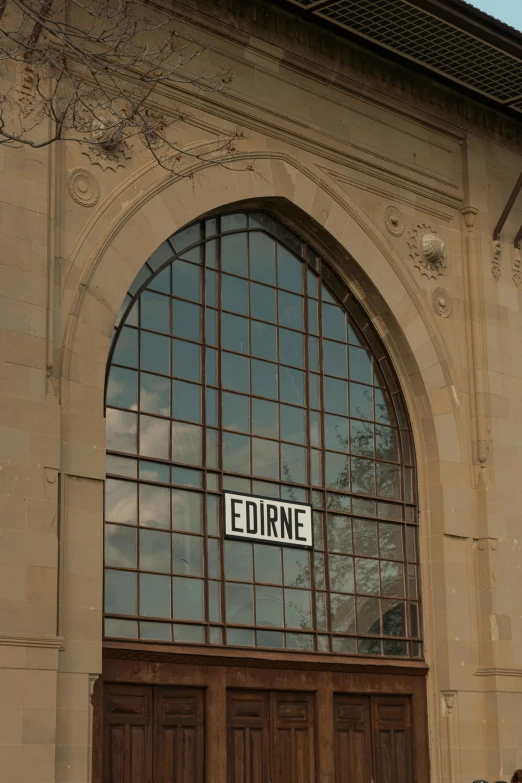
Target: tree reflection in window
{"type": "Point", "coordinates": [240, 361]}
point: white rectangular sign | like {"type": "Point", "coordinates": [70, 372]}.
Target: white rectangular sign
{"type": "Point", "coordinates": [265, 519]}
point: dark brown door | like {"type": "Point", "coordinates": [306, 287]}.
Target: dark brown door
{"type": "Point", "coordinates": [372, 739]}
{"type": "Point", "coordinates": [153, 734]}
{"type": "Point", "coordinates": [270, 737]}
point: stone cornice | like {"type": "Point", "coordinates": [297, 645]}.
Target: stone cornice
{"type": "Point", "coordinates": [30, 640]}
{"type": "Point", "coordinates": [311, 42]}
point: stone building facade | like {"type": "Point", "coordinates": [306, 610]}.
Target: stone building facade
{"type": "Point", "coordinates": [396, 178]}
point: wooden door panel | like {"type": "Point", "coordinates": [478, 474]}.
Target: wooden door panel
{"type": "Point", "coordinates": [127, 729]}
{"type": "Point", "coordinates": [352, 741]}
{"type": "Point", "coordinates": [179, 733]}
{"type": "Point", "coordinates": [292, 738]}
{"type": "Point", "coordinates": [391, 722]}
{"type": "Point", "coordinates": [247, 737]}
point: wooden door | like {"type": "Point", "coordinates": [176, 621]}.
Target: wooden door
{"type": "Point", "coordinates": [128, 737]}
{"type": "Point", "coordinates": [153, 734]}
{"type": "Point", "coordinates": [353, 739]}
{"type": "Point", "coordinates": [391, 722]}
{"type": "Point", "coordinates": [270, 737]}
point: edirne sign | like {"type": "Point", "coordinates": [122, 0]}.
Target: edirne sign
{"type": "Point", "coordinates": [271, 521]}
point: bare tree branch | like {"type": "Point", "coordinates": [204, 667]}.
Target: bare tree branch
{"type": "Point", "coordinates": [98, 69]}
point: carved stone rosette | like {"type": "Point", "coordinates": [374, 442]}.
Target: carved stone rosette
{"type": "Point", "coordinates": [394, 221]}
{"type": "Point", "coordinates": [442, 302]}
{"type": "Point", "coordinates": [427, 250]}
{"type": "Point", "coordinates": [83, 187]}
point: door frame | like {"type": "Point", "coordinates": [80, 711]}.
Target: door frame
{"type": "Point", "coordinates": [219, 670]}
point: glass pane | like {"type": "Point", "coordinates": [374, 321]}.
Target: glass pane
{"type": "Point", "coordinates": [312, 317]}
{"type": "Point", "coordinates": [155, 312]}
{"type": "Point", "coordinates": [412, 582]}
{"type": "Point", "coordinates": [320, 611]}
{"type": "Point", "coordinates": [335, 359]}
{"type": "Point", "coordinates": [235, 412]}
{"type": "Point", "coordinates": [238, 561]}
{"type": "Point", "coordinates": [292, 386]}
{"type": "Point", "coordinates": [390, 541]}
{"type": "Point", "coordinates": [234, 295]}
{"type": "Point", "coordinates": [369, 647]}
{"type": "Point", "coordinates": [337, 468]}
{"type": "Point", "coordinates": [336, 396]}
{"type": "Point", "coordinates": [154, 437]}
{"type": "Point", "coordinates": [154, 506]}
{"type": "Point", "coordinates": [160, 631]}
{"type": "Point", "coordinates": [120, 546]}
{"type": "Point", "coordinates": [189, 633]}
{"type": "Point", "coordinates": [161, 282]}
{"type": "Point", "coordinates": [187, 511]}
{"type": "Point", "coordinates": [344, 644]}
{"type": "Point", "coordinates": [367, 576]}
{"type": "Point", "coordinates": [267, 560]}
{"type": "Point", "coordinates": [315, 428]}
{"type": "Point", "coordinates": [361, 438]}
{"type": "Point", "coordinates": [414, 620]}
{"type": "Point", "coordinates": [211, 401]}
{"type": "Point", "coordinates": [186, 320]}
{"type": "Point", "coordinates": [214, 601]}
{"type": "Point", "coordinates": [236, 453]}
{"type": "Point", "coordinates": [120, 592]}
{"type": "Point", "coordinates": [212, 515]}
{"type": "Point", "coordinates": [154, 551]}
{"type": "Point", "coordinates": [186, 401]}
{"type": "Point", "coordinates": [186, 280]}
{"type": "Point", "coordinates": [235, 372]}
{"type": "Point", "coordinates": [363, 476]}
{"type": "Point", "coordinates": [239, 603]}
{"type": "Point", "coordinates": [290, 310]}
{"type": "Point", "coordinates": [210, 326]}
{"type": "Point", "coordinates": [122, 429]}
{"type": "Point", "coordinates": [186, 360]}
{"type": "Point", "coordinates": [262, 302]}
{"type": "Point", "coordinates": [269, 606]}
{"type": "Point", "coordinates": [234, 256]}
{"type": "Point", "coordinates": [369, 616]}
{"type": "Point", "coordinates": [298, 611]}
{"type": "Point", "coordinates": [382, 407]}
{"type": "Point", "coordinates": [341, 573]}
{"type": "Point", "coordinates": [388, 480]}
{"type": "Point", "coordinates": [126, 349]}
{"type": "Point", "coordinates": [289, 270]}
{"type": "Point", "coordinates": [121, 501]}
{"type": "Point", "coordinates": [313, 354]}
{"type": "Point", "coordinates": [262, 257]}
{"type": "Point", "coordinates": [293, 463]}
{"type": "Point", "coordinates": [411, 548]}
{"type": "Point", "coordinates": [299, 641]}
{"type": "Point", "coordinates": [395, 648]}
{"type": "Point", "coordinates": [334, 322]}
{"type": "Point", "coordinates": [186, 237]}
{"type": "Point", "coordinates": [361, 401]}
{"type": "Point", "coordinates": [233, 222]}
{"type": "Point", "coordinates": [154, 394]}
{"type": "Point", "coordinates": [336, 502]}
{"type": "Point", "coordinates": [212, 450]}
{"type": "Point", "coordinates": [154, 595]}
{"type": "Point", "coordinates": [270, 639]}
{"type": "Point", "coordinates": [296, 566]}
{"type": "Point", "coordinates": [187, 555]}
{"type": "Point", "coordinates": [211, 366]}
{"type": "Point", "coordinates": [213, 562]}
{"type": "Point", "coordinates": [342, 612]}
{"type": "Point", "coordinates": [240, 637]}
{"type": "Point", "coordinates": [365, 538]}
{"type": "Point", "coordinates": [293, 424]}
{"type": "Point", "coordinates": [386, 446]}
{"type": "Point", "coordinates": [314, 391]}
{"type": "Point", "coordinates": [392, 578]}
{"type": "Point", "coordinates": [211, 253]}
{"type": "Point", "coordinates": [122, 388]}
{"type": "Point", "coordinates": [340, 534]}
{"type": "Point", "coordinates": [210, 288]}
{"type": "Point", "coordinates": [186, 443]}
{"type": "Point", "coordinates": [265, 458]}
{"type": "Point", "coordinates": [335, 432]}
{"type": "Point", "coordinates": [360, 365]}
{"type": "Point", "coordinates": [291, 348]}
{"type": "Point", "coordinates": [265, 418]}
{"type": "Point", "coordinates": [187, 477]}
{"type": "Point", "coordinates": [264, 341]}
{"type": "Point", "coordinates": [121, 466]}
{"type": "Point", "coordinates": [394, 618]}
{"type": "Point", "coordinates": [187, 599]}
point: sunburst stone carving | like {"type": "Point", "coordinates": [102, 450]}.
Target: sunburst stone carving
{"type": "Point", "coordinates": [427, 250]}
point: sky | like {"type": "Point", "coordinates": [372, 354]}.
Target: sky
{"type": "Point", "coordinates": [508, 11]}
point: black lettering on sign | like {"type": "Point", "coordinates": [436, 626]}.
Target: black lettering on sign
{"type": "Point", "coordinates": [271, 519]}
{"type": "Point", "coordinates": [286, 522]}
{"type": "Point", "coordinates": [251, 517]}
{"type": "Point", "coordinates": [281, 522]}
{"type": "Point", "coordinates": [299, 525]}
{"type": "Point", "coordinates": [235, 515]}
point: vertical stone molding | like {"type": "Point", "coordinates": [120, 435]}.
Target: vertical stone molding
{"type": "Point", "coordinates": [450, 743]}
{"type": "Point", "coordinates": [477, 352]}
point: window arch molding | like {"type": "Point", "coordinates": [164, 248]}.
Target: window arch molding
{"type": "Point", "coordinates": [205, 275]}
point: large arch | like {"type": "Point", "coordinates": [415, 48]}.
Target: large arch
{"type": "Point", "coordinates": [137, 218]}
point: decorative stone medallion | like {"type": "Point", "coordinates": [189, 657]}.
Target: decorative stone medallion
{"type": "Point", "coordinates": [394, 221]}
{"type": "Point", "coordinates": [442, 302]}
{"type": "Point", "coordinates": [83, 187]}
{"type": "Point", "coordinates": [118, 155]}
{"type": "Point", "coordinates": [427, 250]}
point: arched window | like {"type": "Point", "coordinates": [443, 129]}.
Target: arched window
{"type": "Point", "coordinates": [240, 361]}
